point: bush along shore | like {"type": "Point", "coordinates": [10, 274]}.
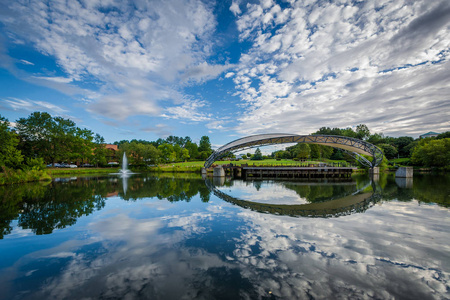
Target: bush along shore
{"type": "Point", "coordinates": [11, 176]}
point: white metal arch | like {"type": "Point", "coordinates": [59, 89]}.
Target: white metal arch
{"type": "Point", "coordinates": [353, 146]}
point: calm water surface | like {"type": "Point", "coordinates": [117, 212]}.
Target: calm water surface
{"type": "Point", "coordinates": [150, 237]}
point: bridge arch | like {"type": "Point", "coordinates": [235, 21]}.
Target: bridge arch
{"type": "Point", "coordinates": [354, 147]}
{"type": "Point", "coordinates": [354, 203]}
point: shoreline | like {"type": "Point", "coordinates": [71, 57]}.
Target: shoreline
{"type": "Point", "coordinates": [19, 176]}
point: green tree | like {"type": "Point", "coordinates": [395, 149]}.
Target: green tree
{"type": "Point", "coordinates": [410, 148]}
{"type": "Point", "coordinates": [320, 151]}
{"type": "Point", "coordinates": [192, 148]}
{"type": "Point", "coordinates": [36, 135]}
{"type": "Point", "coordinates": [185, 155]}
{"type": "Point", "coordinates": [205, 145]}
{"type": "Point", "coordinates": [376, 138]}
{"type": "Point", "coordinates": [402, 144]}
{"type": "Point", "coordinates": [82, 145]}
{"type": "Point", "coordinates": [64, 144]}
{"type": "Point", "coordinates": [443, 135]}
{"type": "Point", "coordinates": [99, 157]}
{"type": "Point", "coordinates": [257, 155]}
{"type": "Point", "coordinates": [52, 138]}
{"type": "Point", "coordinates": [362, 132]}
{"type": "Point", "coordinates": [10, 156]}
{"type": "Point", "coordinates": [302, 151]}
{"type": "Point", "coordinates": [389, 151]}
{"type": "Point", "coordinates": [203, 155]}
{"type": "Point", "coordinates": [348, 132]}
{"type": "Point", "coordinates": [151, 154]}
{"type": "Point", "coordinates": [177, 149]}
{"type": "Point", "coordinates": [432, 153]}
{"type": "Point", "coordinates": [167, 152]}
{"type": "Point", "coordinates": [337, 155]}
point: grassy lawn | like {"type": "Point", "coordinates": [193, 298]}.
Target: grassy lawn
{"type": "Point", "coordinates": [400, 160]}
{"type": "Point", "coordinates": [194, 166]}
{"type": "Point", "coordinates": [75, 171]}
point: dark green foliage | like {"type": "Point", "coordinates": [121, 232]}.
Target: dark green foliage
{"type": "Point", "coordinates": [362, 132]}
{"type": "Point", "coordinates": [140, 154]}
{"type": "Point", "coordinates": [100, 152]}
{"type": "Point", "coordinates": [432, 153]}
{"type": "Point", "coordinates": [388, 150]}
{"type": "Point", "coordinates": [205, 145]}
{"type": "Point", "coordinates": [193, 149]}
{"type": "Point", "coordinates": [402, 144]}
{"type": "Point", "coordinates": [443, 135]}
{"type": "Point", "coordinates": [302, 151]}
{"type": "Point", "coordinates": [257, 155]}
{"type": "Point", "coordinates": [320, 151]}
{"type": "Point", "coordinates": [53, 138]}
{"type": "Point", "coordinates": [10, 156]}
{"type": "Point", "coordinates": [337, 155]}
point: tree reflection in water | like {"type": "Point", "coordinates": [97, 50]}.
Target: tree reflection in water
{"type": "Point", "coordinates": [43, 208]}
{"type": "Point", "coordinates": [160, 241]}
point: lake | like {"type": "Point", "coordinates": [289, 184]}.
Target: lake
{"type": "Point", "coordinates": [183, 237]}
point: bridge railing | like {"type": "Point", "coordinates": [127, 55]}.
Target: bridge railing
{"type": "Point", "coordinates": [300, 164]}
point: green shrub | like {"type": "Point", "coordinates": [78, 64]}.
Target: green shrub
{"type": "Point", "coordinates": [10, 176]}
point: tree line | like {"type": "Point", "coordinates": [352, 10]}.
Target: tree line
{"type": "Point", "coordinates": [171, 149]}
{"type": "Point", "coordinates": [43, 139]}
{"type": "Point", "coordinates": [428, 152]}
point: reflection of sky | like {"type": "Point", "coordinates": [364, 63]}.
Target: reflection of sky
{"type": "Point", "coordinates": [263, 192]}
{"type": "Point", "coordinates": [160, 250]}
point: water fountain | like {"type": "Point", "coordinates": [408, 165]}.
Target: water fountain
{"type": "Point", "coordinates": [124, 173]}
{"type": "Point", "coordinates": [124, 170]}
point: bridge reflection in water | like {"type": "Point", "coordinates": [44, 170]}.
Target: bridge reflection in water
{"type": "Point", "coordinates": [356, 202]}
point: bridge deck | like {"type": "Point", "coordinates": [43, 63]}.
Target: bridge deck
{"type": "Point", "coordinates": [289, 172]}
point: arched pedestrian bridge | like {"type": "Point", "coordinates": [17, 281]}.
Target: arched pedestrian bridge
{"type": "Point", "coordinates": [354, 147]}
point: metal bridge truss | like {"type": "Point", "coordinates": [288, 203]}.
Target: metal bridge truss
{"type": "Point", "coordinates": [354, 147]}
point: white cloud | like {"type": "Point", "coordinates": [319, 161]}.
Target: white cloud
{"type": "Point", "coordinates": [229, 75]}
{"type": "Point", "coordinates": [234, 8]}
{"type": "Point", "coordinates": [190, 110]}
{"type": "Point", "coordinates": [55, 79]}
{"type": "Point", "coordinates": [310, 63]}
{"type": "Point", "coordinates": [204, 71]}
{"type": "Point", "coordinates": [138, 56]}
{"type": "Point", "coordinates": [26, 62]}
{"type": "Point", "coordinates": [32, 105]}
{"type": "Point", "coordinates": [161, 130]}
{"type": "Point", "coordinates": [338, 65]}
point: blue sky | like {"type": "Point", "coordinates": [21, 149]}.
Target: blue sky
{"type": "Point", "coordinates": [227, 69]}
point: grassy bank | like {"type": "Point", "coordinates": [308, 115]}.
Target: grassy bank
{"type": "Point", "coordinates": [196, 166]}
{"type": "Point", "coordinates": [79, 171]}
{"type": "Point", "coordinates": [10, 176]}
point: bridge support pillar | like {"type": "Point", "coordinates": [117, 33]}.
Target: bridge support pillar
{"type": "Point", "coordinates": [204, 172]}
{"type": "Point", "coordinates": [374, 171]}
{"type": "Point", "coordinates": [404, 172]}
{"type": "Point", "coordinates": [218, 172]}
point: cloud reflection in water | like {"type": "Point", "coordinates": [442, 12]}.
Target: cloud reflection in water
{"type": "Point", "coordinates": [159, 250]}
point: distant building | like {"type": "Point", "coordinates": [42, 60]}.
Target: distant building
{"type": "Point", "coordinates": [429, 134]}
{"type": "Point", "coordinates": [112, 150]}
